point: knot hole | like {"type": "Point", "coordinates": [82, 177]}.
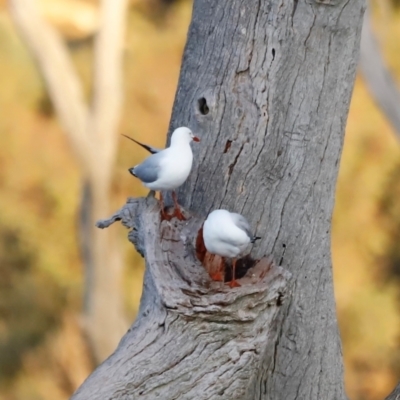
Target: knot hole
{"type": "Point", "coordinates": [203, 106]}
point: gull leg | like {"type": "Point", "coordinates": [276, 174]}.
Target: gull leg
{"type": "Point", "coordinates": [218, 275]}
{"type": "Point", "coordinates": [233, 283]}
{"type": "Point", "coordinates": [163, 215]}
{"type": "Point", "coordinates": [221, 269]}
{"type": "Point", "coordinates": [152, 193]}
{"type": "Point", "coordinates": [177, 212]}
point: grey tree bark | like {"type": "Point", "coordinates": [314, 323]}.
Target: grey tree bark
{"type": "Point", "coordinates": [377, 76]}
{"type": "Point", "coordinates": [92, 131]}
{"type": "Point", "coordinates": [267, 86]}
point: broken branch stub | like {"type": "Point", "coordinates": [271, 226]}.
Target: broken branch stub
{"type": "Point", "coordinates": [190, 330]}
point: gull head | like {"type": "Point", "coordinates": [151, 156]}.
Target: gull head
{"type": "Point", "coordinates": [183, 135]}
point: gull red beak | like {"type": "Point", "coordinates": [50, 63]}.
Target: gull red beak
{"type": "Point", "coordinates": [196, 139]}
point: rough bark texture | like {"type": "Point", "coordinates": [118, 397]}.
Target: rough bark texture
{"type": "Point", "coordinates": [92, 132]}
{"type": "Point", "coordinates": [380, 82]}
{"type": "Point", "coordinates": [187, 321]}
{"type": "Point", "coordinates": [267, 86]}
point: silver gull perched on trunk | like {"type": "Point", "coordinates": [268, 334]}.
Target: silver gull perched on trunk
{"type": "Point", "coordinates": [228, 235]}
{"type": "Point", "coordinates": [169, 168]}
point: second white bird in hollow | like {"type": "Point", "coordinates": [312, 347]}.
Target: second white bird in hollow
{"type": "Point", "coordinates": [227, 235]}
{"type": "Point", "coordinates": [169, 168]}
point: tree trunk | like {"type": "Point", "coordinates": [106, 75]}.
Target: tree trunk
{"type": "Point", "coordinates": [267, 87]}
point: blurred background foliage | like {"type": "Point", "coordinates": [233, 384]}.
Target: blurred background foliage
{"type": "Point", "coordinates": [42, 352]}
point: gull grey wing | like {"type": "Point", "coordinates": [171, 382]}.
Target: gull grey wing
{"type": "Point", "coordinates": [150, 149]}
{"type": "Point", "coordinates": [148, 171]}
{"type": "Point", "coordinates": [243, 224]}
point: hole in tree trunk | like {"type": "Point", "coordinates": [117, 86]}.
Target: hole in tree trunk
{"type": "Point", "coordinates": [203, 107]}
{"type": "Point", "coordinates": [242, 266]}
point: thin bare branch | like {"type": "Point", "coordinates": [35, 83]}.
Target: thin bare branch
{"type": "Point", "coordinates": [377, 76]}
{"type": "Point", "coordinates": [51, 54]}
{"type": "Point", "coordinates": [107, 85]}
{"type": "Point", "coordinates": [93, 136]}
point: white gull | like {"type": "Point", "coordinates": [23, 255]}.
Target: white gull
{"type": "Point", "coordinates": [169, 168]}
{"type": "Point", "coordinates": [228, 235]}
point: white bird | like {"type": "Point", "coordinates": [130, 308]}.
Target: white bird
{"type": "Point", "coordinates": [228, 235]}
{"type": "Point", "coordinates": [169, 168]}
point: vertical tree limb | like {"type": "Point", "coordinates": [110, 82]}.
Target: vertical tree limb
{"type": "Point", "coordinates": [93, 135]}
{"type": "Point", "coordinates": [107, 82]}
{"type": "Point", "coordinates": [59, 74]}
{"type": "Point", "coordinates": [380, 82]}
{"type": "Point", "coordinates": [105, 320]}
